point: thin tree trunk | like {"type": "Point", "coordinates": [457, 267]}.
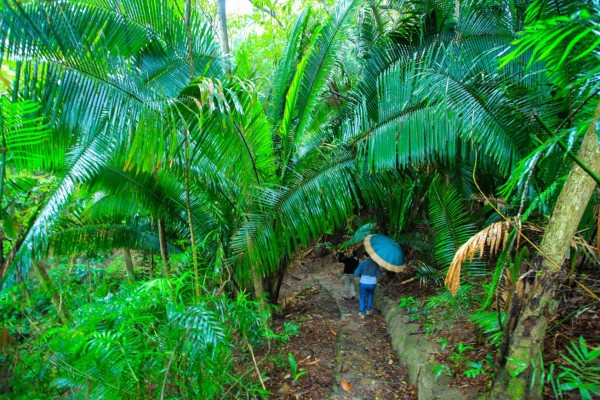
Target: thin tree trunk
{"type": "Point", "coordinates": [2, 167]}
{"type": "Point", "coordinates": [188, 203]}
{"type": "Point", "coordinates": [42, 274]}
{"type": "Point", "coordinates": [598, 235]}
{"type": "Point", "coordinates": [162, 240]}
{"type": "Point", "coordinates": [535, 305]}
{"type": "Point", "coordinates": [258, 285]}
{"type": "Point", "coordinates": [152, 265]}
{"type": "Point", "coordinates": [128, 262]}
{"type": "Point", "coordinates": [222, 13]}
{"type": "Point", "coordinates": [274, 294]}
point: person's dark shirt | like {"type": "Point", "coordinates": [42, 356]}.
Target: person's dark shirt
{"type": "Point", "coordinates": [350, 263]}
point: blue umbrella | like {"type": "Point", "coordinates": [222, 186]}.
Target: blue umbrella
{"type": "Point", "coordinates": [385, 251]}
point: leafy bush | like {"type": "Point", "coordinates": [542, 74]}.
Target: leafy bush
{"type": "Point", "coordinates": [426, 273]}
{"type": "Point", "coordinates": [582, 372]}
{"type": "Point", "coordinates": [144, 340]}
{"type": "Point", "coordinates": [489, 324]}
{"type": "Point", "coordinates": [449, 307]}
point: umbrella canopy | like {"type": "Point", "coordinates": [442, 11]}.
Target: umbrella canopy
{"type": "Point", "coordinates": [385, 251]}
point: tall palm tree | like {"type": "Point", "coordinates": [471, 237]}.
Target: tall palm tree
{"type": "Point", "coordinates": [107, 74]}
{"type": "Point", "coordinates": [265, 174]}
{"type": "Point", "coordinates": [315, 182]}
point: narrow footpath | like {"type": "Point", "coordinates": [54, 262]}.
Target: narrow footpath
{"type": "Point", "coordinates": [364, 365]}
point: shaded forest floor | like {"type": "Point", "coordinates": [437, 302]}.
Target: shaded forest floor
{"type": "Point", "coordinates": [342, 355]}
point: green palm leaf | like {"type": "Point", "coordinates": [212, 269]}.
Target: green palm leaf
{"type": "Point", "coordinates": [296, 214]}
{"type": "Point", "coordinates": [449, 219]}
{"type": "Point", "coordinates": [314, 77]}
{"type": "Point", "coordinates": [287, 66]}
{"type": "Point", "coordinates": [26, 136]}
{"type": "Point", "coordinates": [83, 161]}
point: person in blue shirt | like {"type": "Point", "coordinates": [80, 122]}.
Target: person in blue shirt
{"type": "Point", "coordinates": [369, 271]}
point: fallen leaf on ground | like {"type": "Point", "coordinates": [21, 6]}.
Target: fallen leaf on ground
{"type": "Point", "coordinates": [346, 386]}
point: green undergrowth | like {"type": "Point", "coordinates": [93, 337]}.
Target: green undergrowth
{"type": "Point", "coordinates": [468, 337]}
{"type": "Point", "coordinates": [150, 338]}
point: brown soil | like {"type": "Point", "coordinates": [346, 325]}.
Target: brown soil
{"type": "Point", "coordinates": [344, 356]}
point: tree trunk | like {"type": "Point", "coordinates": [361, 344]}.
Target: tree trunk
{"type": "Point", "coordinates": [151, 265]}
{"type": "Point", "coordinates": [222, 13]}
{"type": "Point", "coordinates": [42, 274]}
{"type": "Point", "coordinates": [535, 305]}
{"type": "Point", "coordinates": [276, 287]}
{"type": "Point", "coordinates": [258, 283]}
{"type": "Point", "coordinates": [186, 149]}
{"type": "Point", "coordinates": [598, 234]}
{"type": "Point", "coordinates": [259, 290]}
{"type": "Point", "coordinates": [162, 240]}
{"type": "Point", "coordinates": [128, 262]}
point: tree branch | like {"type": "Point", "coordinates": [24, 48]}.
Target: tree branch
{"type": "Point", "coordinates": [267, 11]}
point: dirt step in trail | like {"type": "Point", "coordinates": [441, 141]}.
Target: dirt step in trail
{"type": "Point", "coordinates": [365, 365]}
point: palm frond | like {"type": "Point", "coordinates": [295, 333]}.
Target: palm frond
{"type": "Point", "coordinates": [228, 129]}
{"type": "Point", "coordinates": [315, 75]}
{"type": "Point", "coordinates": [84, 161]}
{"type": "Point", "coordinates": [564, 37]}
{"type": "Point", "coordinates": [359, 235]}
{"type": "Point", "coordinates": [27, 136]}
{"type": "Point", "coordinates": [133, 65]}
{"type": "Point", "coordinates": [491, 237]}
{"type": "Point", "coordinates": [425, 273]}
{"type": "Point", "coordinates": [322, 61]}
{"type": "Point", "coordinates": [449, 219]}
{"type": "Point", "coordinates": [287, 66]}
{"type": "Point", "coordinates": [204, 327]}
{"type": "Point", "coordinates": [162, 196]}
{"type": "Point", "coordinates": [105, 237]}
{"type": "Point", "coordinates": [490, 323]}
{"type": "Point", "coordinates": [294, 215]}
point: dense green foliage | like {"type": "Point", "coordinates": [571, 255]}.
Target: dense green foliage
{"type": "Point", "coordinates": [125, 130]}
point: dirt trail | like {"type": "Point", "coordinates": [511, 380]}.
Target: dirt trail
{"type": "Point", "coordinates": [364, 365]}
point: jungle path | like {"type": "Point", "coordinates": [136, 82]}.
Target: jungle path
{"type": "Point", "coordinates": [362, 364]}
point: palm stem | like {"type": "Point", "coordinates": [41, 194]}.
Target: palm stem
{"type": "Point", "coordinates": [262, 383]}
{"type": "Point", "coordinates": [62, 312]}
{"type": "Point", "coordinates": [3, 162]}
{"type": "Point", "coordinates": [188, 203]}
{"type": "Point", "coordinates": [162, 241]}
{"type": "Point", "coordinates": [128, 262]}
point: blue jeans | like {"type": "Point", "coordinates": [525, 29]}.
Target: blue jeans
{"type": "Point", "coordinates": [366, 295]}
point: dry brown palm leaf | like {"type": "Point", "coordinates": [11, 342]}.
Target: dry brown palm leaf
{"type": "Point", "coordinates": [588, 250]}
{"type": "Point", "coordinates": [493, 236]}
